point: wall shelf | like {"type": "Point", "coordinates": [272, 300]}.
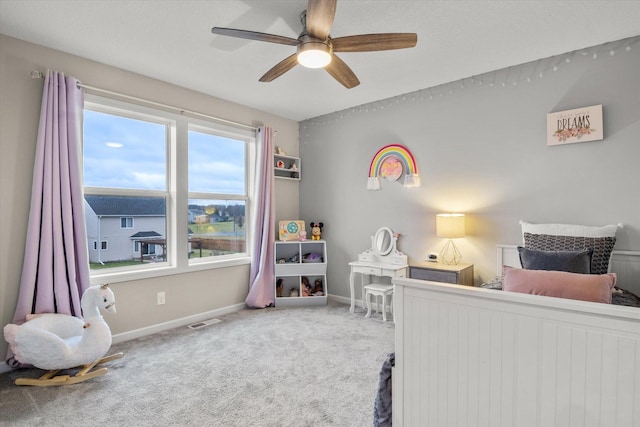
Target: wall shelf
{"type": "Point", "coordinates": [283, 164]}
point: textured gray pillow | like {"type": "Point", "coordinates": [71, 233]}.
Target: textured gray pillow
{"type": "Point", "coordinates": [602, 247]}
{"type": "Point", "coordinates": [570, 261]}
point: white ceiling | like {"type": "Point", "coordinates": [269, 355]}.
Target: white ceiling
{"type": "Point", "coordinates": [172, 41]}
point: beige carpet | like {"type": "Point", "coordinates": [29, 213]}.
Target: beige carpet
{"type": "Point", "coordinates": [308, 366]}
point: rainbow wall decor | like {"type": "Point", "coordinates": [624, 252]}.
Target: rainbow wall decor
{"type": "Point", "coordinates": [391, 162]}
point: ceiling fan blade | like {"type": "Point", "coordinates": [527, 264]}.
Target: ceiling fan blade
{"type": "Point", "coordinates": [253, 35]}
{"type": "Point", "coordinates": [342, 73]}
{"type": "Point", "coordinates": [320, 15]}
{"type": "Point", "coordinates": [280, 68]}
{"type": "Point", "coordinates": [373, 42]}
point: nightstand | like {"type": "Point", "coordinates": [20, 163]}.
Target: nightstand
{"type": "Point", "coordinates": [460, 274]}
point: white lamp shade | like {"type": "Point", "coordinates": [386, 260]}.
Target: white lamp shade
{"type": "Point", "coordinates": [450, 226]}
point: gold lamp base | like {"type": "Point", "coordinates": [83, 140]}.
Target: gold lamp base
{"type": "Point", "coordinates": [450, 253]}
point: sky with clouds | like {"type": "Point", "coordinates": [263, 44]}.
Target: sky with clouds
{"type": "Point", "coordinates": [120, 152]}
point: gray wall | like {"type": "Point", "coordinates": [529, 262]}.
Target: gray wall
{"type": "Point", "coordinates": [481, 150]}
{"type": "Point", "coordinates": [187, 294]}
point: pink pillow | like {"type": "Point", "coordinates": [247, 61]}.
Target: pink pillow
{"type": "Point", "coordinates": [560, 284]}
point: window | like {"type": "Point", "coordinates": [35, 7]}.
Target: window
{"type": "Point", "coordinates": [217, 194]}
{"type": "Point", "coordinates": [147, 249]}
{"type": "Point", "coordinates": [135, 161]}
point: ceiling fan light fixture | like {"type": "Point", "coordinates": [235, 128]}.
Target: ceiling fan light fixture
{"type": "Point", "coordinates": [314, 54]}
{"type": "Point", "coordinates": [315, 46]}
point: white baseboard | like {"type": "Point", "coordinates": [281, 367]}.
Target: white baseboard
{"type": "Point", "coordinates": [338, 298]}
{"type": "Point", "coordinates": [184, 321]}
{"type": "Point", "coordinates": [359, 304]}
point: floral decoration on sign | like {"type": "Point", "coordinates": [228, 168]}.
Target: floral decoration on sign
{"type": "Point", "coordinates": [564, 134]}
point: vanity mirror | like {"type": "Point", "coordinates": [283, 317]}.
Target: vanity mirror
{"type": "Point", "coordinates": [383, 241]}
{"type": "Point", "coordinates": [383, 249]}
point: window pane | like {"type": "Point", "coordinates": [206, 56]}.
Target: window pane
{"type": "Point", "coordinates": [120, 152]}
{"type": "Point", "coordinates": [103, 214]}
{"type": "Point", "coordinates": [216, 164]}
{"type": "Point", "coordinates": [216, 227]}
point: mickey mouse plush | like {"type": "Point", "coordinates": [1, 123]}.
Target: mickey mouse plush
{"type": "Point", "coordinates": [316, 230]}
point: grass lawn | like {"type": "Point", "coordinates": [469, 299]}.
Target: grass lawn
{"type": "Point", "coordinates": [112, 264]}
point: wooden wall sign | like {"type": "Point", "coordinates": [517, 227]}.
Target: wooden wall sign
{"type": "Point", "coordinates": [571, 126]}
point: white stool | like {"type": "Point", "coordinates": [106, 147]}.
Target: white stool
{"type": "Point", "coordinates": [379, 290]}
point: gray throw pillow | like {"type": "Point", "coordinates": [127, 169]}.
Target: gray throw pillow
{"type": "Point", "coordinates": [570, 261]}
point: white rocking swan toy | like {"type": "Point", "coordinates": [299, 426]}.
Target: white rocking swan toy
{"type": "Point", "coordinates": [60, 341]}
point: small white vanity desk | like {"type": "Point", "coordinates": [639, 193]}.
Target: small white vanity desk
{"type": "Point", "coordinates": [383, 259]}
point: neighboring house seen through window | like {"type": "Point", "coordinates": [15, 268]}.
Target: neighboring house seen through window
{"type": "Point", "coordinates": [135, 161]}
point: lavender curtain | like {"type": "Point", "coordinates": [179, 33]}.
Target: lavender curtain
{"type": "Point", "coordinates": [55, 271]}
{"type": "Point", "coordinates": [261, 285]}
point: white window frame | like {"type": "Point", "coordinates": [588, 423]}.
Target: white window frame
{"type": "Point", "coordinates": [176, 195]}
{"type": "Point", "coordinates": [102, 243]}
{"type": "Point", "coordinates": [126, 218]}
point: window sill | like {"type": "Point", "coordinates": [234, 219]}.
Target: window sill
{"type": "Point", "coordinates": [168, 270]}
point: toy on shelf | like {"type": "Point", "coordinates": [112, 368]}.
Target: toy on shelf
{"type": "Point", "coordinates": [279, 287]}
{"type": "Point", "coordinates": [317, 288]}
{"type": "Point", "coordinates": [294, 170]}
{"type": "Point", "coordinates": [316, 230]}
{"type": "Point", "coordinates": [290, 229]}
{"type": "Point", "coordinates": [305, 286]}
{"type": "Point", "coordinates": [295, 259]}
{"type": "Point", "coordinates": [303, 235]}
{"type": "Point", "coordinates": [312, 257]}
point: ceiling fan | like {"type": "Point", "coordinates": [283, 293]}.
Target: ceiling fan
{"type": "Point", "coordinates": [316, 48]}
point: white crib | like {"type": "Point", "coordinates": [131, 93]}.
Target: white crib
{"type": "Point", "coordinates": [478, 357]}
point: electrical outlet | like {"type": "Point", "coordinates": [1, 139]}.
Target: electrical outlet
{"type": "Point", "coordinates": [161, 298]}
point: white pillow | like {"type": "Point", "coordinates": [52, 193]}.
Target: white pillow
{"type": "Point", "coordinates": [569, 230]}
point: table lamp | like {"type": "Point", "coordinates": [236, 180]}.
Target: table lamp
{"type": "Point", "coordinates": [450, 226]}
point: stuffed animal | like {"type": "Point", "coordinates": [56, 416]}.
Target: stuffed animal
{"type": "Point", "coordinates": [302, 236]}
{"type": "Point", "coordinates": [311, 257]}
{"type": "Point", "coordinates": [316, 230]}
{"type": "Point", "coordinates": [279, 287]}
{"type": "Point", "coordinates": [317, 288]}
{"type": "Point", "coordinates": [306, 286]}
